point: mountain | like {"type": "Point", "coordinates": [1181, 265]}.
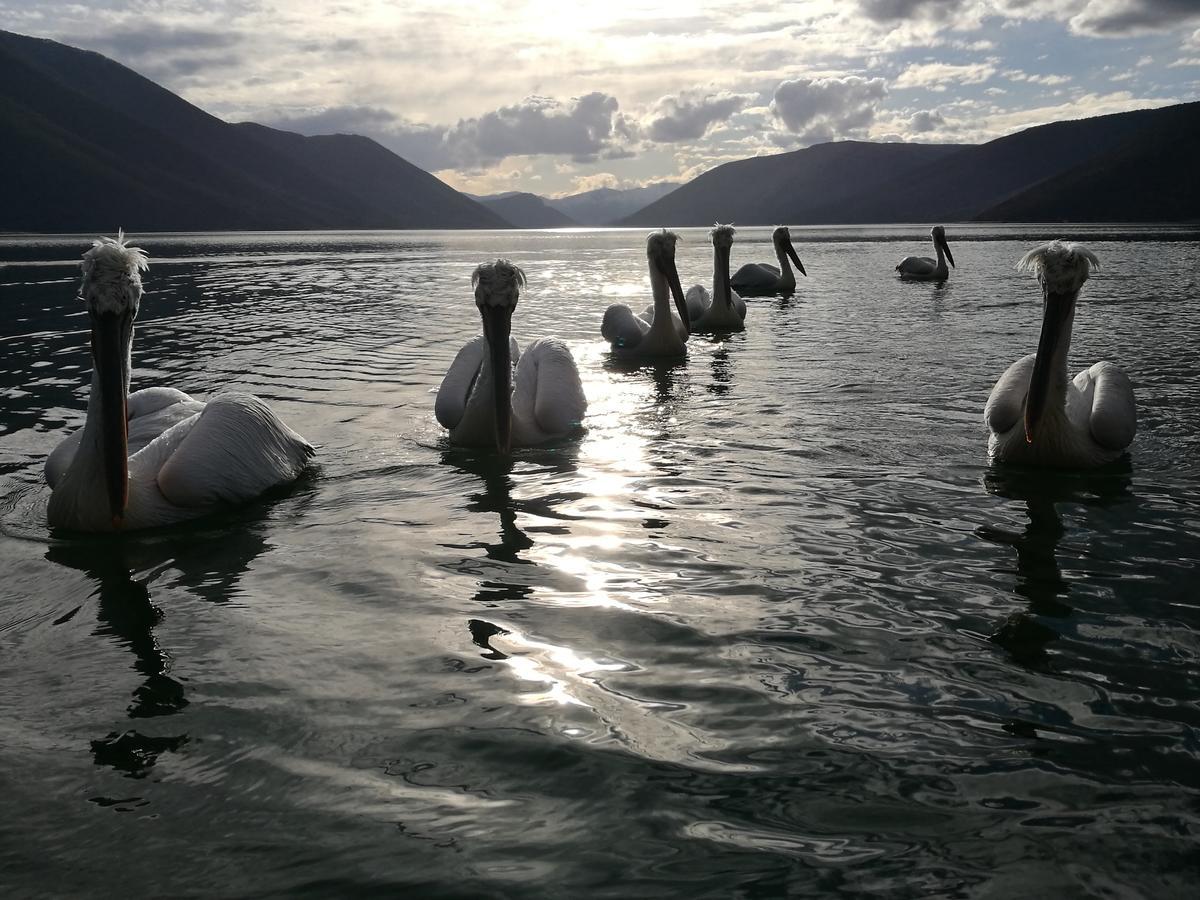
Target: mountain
{"type": "Point", "coordinates": [810, 186]}
{"type": "Point", "coordinates": [87, 144]}
{"type": "Point", "coordinates": [605, 206]}
{"type": "Point", "coordinates": [1150, 177]}
{"type": "Point", "coordinates": [527, 211]}
{"type": "Point", "coordinates": [1134, 166]}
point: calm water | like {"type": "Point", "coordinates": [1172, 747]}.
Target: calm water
{"type": "Point", "coordinates": [772, 626]}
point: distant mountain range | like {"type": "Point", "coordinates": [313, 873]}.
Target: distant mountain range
{"type": "Point", "coordinates": [1126, 167]}
{"type": "Point", "coordinates": [602, 206]}
{"type": "Point", "coordinates": [89, 145]}
{"type": "Point", "coordinates": [526, 210]}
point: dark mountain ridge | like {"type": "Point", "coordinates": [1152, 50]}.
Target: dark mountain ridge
{"type": "Point", "coordinates": [1134, 166]}
{"type": "Point", "coordinates": [89, 144]}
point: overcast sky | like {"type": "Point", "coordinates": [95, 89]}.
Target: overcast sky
{"type": "Point", "coordinates": [556, 97]}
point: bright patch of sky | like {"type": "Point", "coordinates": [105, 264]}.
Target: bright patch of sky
{"type": "Point", "coordinates": [555, 97]}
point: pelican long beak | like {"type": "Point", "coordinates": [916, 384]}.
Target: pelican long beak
{"type": "Point", "coordinates": [791, 251]}
{"type": "Point", "coordinates": [946, 250]}
{"type": "Point", "coordinates": [497, 325]}
{"type": "Point", "coordinates": [110, 333]}
{"type": "Point", "coordinates": [1054, 317]}
{"type": "Point", "coordinates": [672, 274]}
{"type": "Point", "coordinates": [723, 275]}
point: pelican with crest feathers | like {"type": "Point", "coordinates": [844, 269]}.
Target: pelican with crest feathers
{"type": "Point", "coordinates": [723, 310]}
{"type": "Point", "coordinates": [762, 280]}
{"type": "Point", "coordinates": [1037, 414]}
{"type": "Point", "coordinates": [156, 456]}
{"type": "Point", "coordinates": [659, 331]}
{"type": "Point", "coordinates": [478, 401]}
{"type": "Point", "coordinates": [922, 268]}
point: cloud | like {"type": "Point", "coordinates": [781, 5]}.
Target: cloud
{"type": "Point", "coordinates": [937, 75]}
{"type": "Point", "coordinates": [687, 116]}
{"type": "Point", "coordinates": [585, 129]}
{"type": "Point", "coordinates": [422, 145]}
{"type": "Point", "coordinates": [826, 108]}
{"type": "Point", "coordinates": [1120, 18]}
{"type": "Point", "coordinates": [907, 10]}
{"type": "Point", "coordinates": [926, 120]}
{"type": "Point", "coordinates": [1048, 80]}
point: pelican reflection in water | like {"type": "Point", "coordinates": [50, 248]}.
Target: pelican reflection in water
{"type": "Point", "coordinates": [156, 456]}
{"type": "Point", "coordinates": [1037, 414]}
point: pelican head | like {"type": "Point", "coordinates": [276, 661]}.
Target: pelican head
{"type": "Point", "coordinates": [781, 237]}
{"type": "Point", "coordinates": [660, 250]}
{"type": "Point", "coordinates": [497, 289]}
{"type": "Point", "coordinates": [722, 236]}
{"type": "Point", "coordinates": [938, 233]}
{"type": "Point", "coordinates": [1062, 268]}
{"type": "Point", "coordinates": [112, 290]}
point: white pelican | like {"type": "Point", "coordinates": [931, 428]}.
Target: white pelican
{"type": "Point", "coordinates": [156, 456]}
{"type": "Point", "coordinates": [922, 268]}
{"type": "Point", "coordinates": [724, 310]}
{"type": "Point", "coordinates": [660, 331]}
{"type": "Point", "coordinates": [477, 400]}
{"type": "Point", "coordinates": [760, 279]}
{"type": "Point", "coordinates": [1036, 413]}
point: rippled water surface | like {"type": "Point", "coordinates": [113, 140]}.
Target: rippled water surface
{"type": "Point", "coordinates": [771, 626]}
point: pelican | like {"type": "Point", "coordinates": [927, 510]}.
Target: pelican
{"type": "Point", "coordinates": [1036, 413]}
{"type": "Point", "coordinates": [922, 268]}
{"type": "Point", "coordinates": [760, 279]}
{"type": "Point", "coordinates": [724, 310]}
{"type": "Point", "coordinates": [156, 456]}
{"type": "Point", "coordinates": [478, 401]}
{"type": "Point", "coordinates": [659, 331]}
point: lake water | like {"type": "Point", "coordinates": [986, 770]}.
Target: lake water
{"type": "Point", "coordinates": [771, 626]}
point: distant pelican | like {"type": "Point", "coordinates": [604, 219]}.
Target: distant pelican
{"type": "Point", "coordinates": [156, 456]}
{"type": "Point", "coordinates": [760, 279]}
{"type": "Point", "coordinates": [659, 331]}
{"type": "Point", "coordinates": [477, 401]}
{"type": "Point", "coordinates": [922, 268]}
{"type": "Point", "coordinates": [724, 310]}
{"type": "Point", "coordinates": [1037, 415]}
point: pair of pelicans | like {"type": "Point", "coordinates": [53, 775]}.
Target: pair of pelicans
{"type": "Point", "coordinates": [156, 456]}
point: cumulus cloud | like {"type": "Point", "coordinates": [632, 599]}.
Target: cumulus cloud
{"type": "Point", "coordinates": [687, 116]}
{"type": "Point", "coordinates": [585, 129]}
{"type": "Point", "coordinates": [826, 108]}
{"type": "Point", "coordinates": [926, 120]}
{"type": "Point", "coordinates": [581, 129]}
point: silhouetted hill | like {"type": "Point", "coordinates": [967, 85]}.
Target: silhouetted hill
{"type": "Point", "coordinates": [810, 186]}
{"type": "Point", "coordinates": [527, 211]}
{"type": "Point", "coordinates": [983, 177]}
{"type": "Point", "coordinates": [606, 206]}
{"type": "Point", "coordinates": [1134, 166]}
{"type": "Point", "coordinates": [87, 144]}
{"type": "Point", "coordinates": [1150, 177]}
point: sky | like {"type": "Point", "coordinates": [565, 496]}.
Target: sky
{"type": "Point", "coordinates": [555, 97]}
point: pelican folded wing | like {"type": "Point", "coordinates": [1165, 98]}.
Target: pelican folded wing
{"type": "Point", "coordinates": [236, 449]}
{"type": "Point", "coordinates": [1113, 422]}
